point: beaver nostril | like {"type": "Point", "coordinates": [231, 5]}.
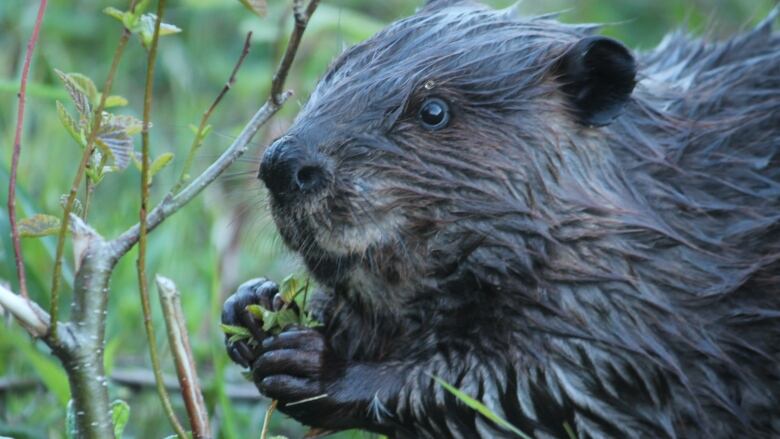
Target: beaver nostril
{"type": "Point", "coordinates": [309, 178]}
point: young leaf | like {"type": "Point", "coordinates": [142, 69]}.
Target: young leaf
{"type": "Point", "coordinates": [70, 125]}
{"type": "Point", "coordinates": [87, 86]}
{"type": "Point", "coordinates": [234, 330]}
{"type": "Point", "coordinates": [120, 413]}
{"type": "Point", "coordinates": [116, 136]}
{"type": "Point", "coordinates": [256, 310]}
{"type": "Point", "coordinates": [77, 95]}
{"type": "Point", "coordinates": [116, 101]}
{"type": "Point", "coordinates": [39, 225]}
{"type": "Point", "coordinates": [159, 163]}
{"type": "Point", "coordinates": [259, 7]}
{"type": "Point", "coordinates": [481, 408]}
{"type": "Point", "coordinates": [146, 29]}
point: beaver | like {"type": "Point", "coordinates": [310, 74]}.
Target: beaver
{"type": "Point", "coordinates": [584, 239]}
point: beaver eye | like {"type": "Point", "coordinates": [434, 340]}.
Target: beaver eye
{"type": "Point", "coordinates": [434, 114]}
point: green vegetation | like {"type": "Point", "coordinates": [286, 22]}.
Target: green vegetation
{"type": "Point", "coordinates": [225, 236]}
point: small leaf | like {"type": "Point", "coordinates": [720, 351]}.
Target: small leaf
{"type": "Point", "coordinates": [481, 408]}
{"type": "Point", "coordinates": [256, 310]}
{"type": "Point", "coordinates": [39, 225]}
{"type": "Point", "coordinates": [289, 288]}
{"type": "Point", "coordinates": [146, 29]}
{"type": "Point", "coordinates": [116, 101]}
{"type": "Point", "coordinates": [77, 208]}
{"type": "Point", "coordinates": [87, 86]}
{"type": "Point", "coordinates": [77, 94]}
{"type": "Point", "coordinates": [116, 135]}
{"type": "Point", "coordinates": [70, 125]}
{"type": "Point", "coordinates": [159, 163]}
{"type": "Point", "coordinates": [234, 330]}
{"type": "Point", "coordinates": [120, 413]}
{"type": "Point", "coordinates": [285, 318]}
{"type": "Point", "coordinates": [259, 7]}
{"type": "Point", "coordinates": [114, 12]}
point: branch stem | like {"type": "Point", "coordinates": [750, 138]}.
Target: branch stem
{"type": "Point", "coordinates": [97, 120]}
{"type": "Point", "coordinates": [143, 285]}
{"type": "Point", "coordinates": [20, 274]}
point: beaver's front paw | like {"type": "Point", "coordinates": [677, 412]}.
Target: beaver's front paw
{"type": "Point", "coordinates": [298, 368]}
{"type": "Point", "coordinates": [258, 291]}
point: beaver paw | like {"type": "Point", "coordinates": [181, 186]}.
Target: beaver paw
{"type": "Point", "coordinates": [298, 368]}
{"type": "Point", "coordinates": [258, 291]}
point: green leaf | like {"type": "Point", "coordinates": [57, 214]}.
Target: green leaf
{"type": "Point", "coordinates": [87, 86]}
{"type": "Point", "coordinates": [115, 138]}
{"type": "Point", "coordinates": [146, 29]}
{"type": "Point", "coordinates": [258, 7]}
{"type": "Point", "coordinates": [78, 95]}
{"type": "Point", "coordinates": [234, 330]}
{"type": "Point", "coordinates": [256, 310]}
{"type": "Point", "coordinates": [120, 413]}
{"type": "Point", "coordinates": [70, 125]}
{"type": "Point", "coordinates": [159, 163]}
{"type": "Point", "coordinates": [481, 408]}
{"type": "Point", "coordinates": [116, 13]}
{"type": "Point", "coordinates": [116, 101]}
{"type": "Point", "coordinates": [39, 225]}
{"type": "Point", "coordinates": [289, 288]}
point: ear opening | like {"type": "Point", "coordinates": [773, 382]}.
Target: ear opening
{"type": "Point", "coordinates": [598, 75]}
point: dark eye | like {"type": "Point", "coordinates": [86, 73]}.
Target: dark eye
{"type": "Point", "coordinates": [434, 114]}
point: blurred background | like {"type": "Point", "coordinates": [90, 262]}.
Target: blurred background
{"type": "Point", "coordinates": [225, 236]}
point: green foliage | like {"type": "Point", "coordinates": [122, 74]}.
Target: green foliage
{"type": "Point", "coordinates": [120, 414]}
{"type": "Point", "coordinates": [226, 235]}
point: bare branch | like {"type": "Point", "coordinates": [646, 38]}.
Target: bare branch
{"type": "Point", "coordinates": [179, 342]}
{"type": "Point", "coordinates": [20, 274]}
{"type": "Point", "coordinates": [172, 203]}
{"type": "Point", "coordinates": [200, 134]}
{"type": "Point", "coordinates": [301, 21]}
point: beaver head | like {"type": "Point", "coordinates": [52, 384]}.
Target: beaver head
{"type": "Point", "coordinates": [434, 142]}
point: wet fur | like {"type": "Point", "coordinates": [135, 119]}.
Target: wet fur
{"type": "Point", "coordinates": [623, 280]}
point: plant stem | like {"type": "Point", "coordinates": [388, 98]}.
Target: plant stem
{"type": "Point", "coordinates": [143, 287]}
{"type": "Point", "coordinates": [301, 20]}
{"type": "Point", "coordinates": [267, 419]}
{"type": "Point", "coordinates": [199, 135]}
{"type": "Point", "coordinates": [179, 342]}
{"type": "Point", "coordinates": [98, 118]}
{"type": "Point", "coordinates": [20, 274]}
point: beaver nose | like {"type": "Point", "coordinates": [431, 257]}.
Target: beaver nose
{"type": "Point", "coordinates": [289, 168]}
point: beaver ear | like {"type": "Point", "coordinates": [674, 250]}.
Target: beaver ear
{"type": "Point", "coordinates": [598, 75]}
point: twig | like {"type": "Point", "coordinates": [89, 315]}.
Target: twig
{"type": "Point", "coordinates": [267, 419]}
{"type": "Point", "coordinates": [27, 312]}
{"type": "Point", "coordinates": [88, 149]}
{"type": "Point", "coordinates": [143, 286]}
{"type": "Point", "coordinates": [301, 21]}
{"type": "Point", "coordinates": [182, 355]}
{"type": "Point", "coordinates": [172, 203]}
{"type": "Point", "coordinates": [20, 274]}
{"type": "Point", "coordinates": [199, 135]}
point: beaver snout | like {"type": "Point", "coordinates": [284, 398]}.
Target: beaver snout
{"type": "Point", "coordinates": [290, 169]}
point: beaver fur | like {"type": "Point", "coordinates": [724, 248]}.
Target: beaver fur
{"type": "Point", "coordinates": [591, 243]}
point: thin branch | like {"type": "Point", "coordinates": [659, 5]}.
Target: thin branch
{"type": "Point", "coordinates": [200, 134]}
{"type": "Point", "coordinates": [179, 341]}
{"type": "Point", "coordinates": [143, 286]}
{"type": "Point", "coordinates": [20, 274]}
{"type": "Point", "coordinates": [98, 118]}
{"type": "Point", "coordinates": [301, 21]}
{"type": "Point", "coordinates": [172, 203]}
{"type": "Point", "coordinates": [267, 419]}
{"type": "Point", "coordinates": [28, 313]}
